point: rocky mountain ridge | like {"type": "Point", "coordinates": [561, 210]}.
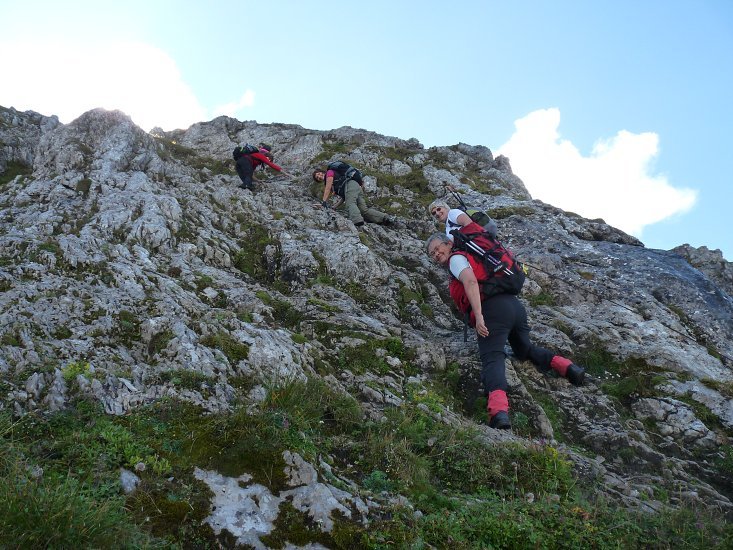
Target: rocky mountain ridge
{"type": "Point", "coordinates": [130, 263]}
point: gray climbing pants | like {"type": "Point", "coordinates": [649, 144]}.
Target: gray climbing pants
{"type": "Point", "coordinates": [356, 206]}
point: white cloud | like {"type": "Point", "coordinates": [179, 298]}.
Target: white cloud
{"type": "Point", "coordinates": [68, 80]}
{"type": "Point", "coordinates": [231, 109]}
{"type": "Point", "coordinates": [614, 182]}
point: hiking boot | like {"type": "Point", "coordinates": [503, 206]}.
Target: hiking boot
{"type": "Point", "coordinates": [575, 374]}
{"type": "Point", "coordinates": [500, 421]}
{"type": "Point", "coordinates": [245, 186]}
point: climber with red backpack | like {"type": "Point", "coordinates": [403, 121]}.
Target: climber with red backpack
{"type": "Point", "coordinates": [485, 279]}
{"type": "Point", "coordinates": [248, 157]}
{"type": "Point", "coordinates": [344, 180]}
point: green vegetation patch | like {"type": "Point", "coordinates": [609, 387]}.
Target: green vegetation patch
{"type": "Point", "coordinates": [544, 298]}
{"type": "Point", "coordinates": [234, 350]}
{"type": "Point", "coordinates": [191, 157]}
{"type": "Point", "coordinates": [724, 388]}
{"type": "Point", "coordinates": [471, 493]}
{"type": "Point", "coordinates": [185, 378]}
{"type": "Point", "coordinates": [283, 312]}
{"type": "Point", "coordinates": [129, 326]}
{"type": "Point", "coordinates": [332, 148]}
{"type": "Point", "coordinates": [83, 186]}
{"type": "Point", "coordinates": [602, 363]}
{"type": "Point", "coordinates": [159, 342]}
{"type": "Point", "coordinates": [406, 296]}
{"type": "Point", "coordinates": [626, 380]}
{"type": "Point", "coordinates": [415, 181]}
{"type": "Point", "coordinates": [251, 257]}
{"type": "Point", "coordinates": [62, 333]}
{"type": "Point", "coordinates": [502, 212]}
{"type": "Point", "coordinates": [14, 169]}
{"type": "Point", "coordinates": [11, 338]}
{"type": "Point", "coordinates": [366, 357]}
{"type": "Point", "coordinates": [74, 369]}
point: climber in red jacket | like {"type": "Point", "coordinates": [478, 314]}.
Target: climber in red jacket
{"type": "Point", "coordinates": [248, 162]}
{"type": "Point", "coordinates": [498, 316]}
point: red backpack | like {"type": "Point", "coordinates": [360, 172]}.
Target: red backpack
{"type": "Point", "coordinates": [506, 274]}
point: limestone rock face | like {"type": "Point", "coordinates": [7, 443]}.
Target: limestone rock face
{"type": "Point", "coordinates": [127, 256]}
{"type": "Point", "coordinates": [710, 262]}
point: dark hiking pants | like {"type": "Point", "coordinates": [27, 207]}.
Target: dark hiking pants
{"type": "Point", "coordinates": [245, 170]}
{"type": "Point", "coordinates": [506, 319]}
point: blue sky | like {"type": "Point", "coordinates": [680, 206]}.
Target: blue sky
{"type": "Point", "coordinates": [614, 109]}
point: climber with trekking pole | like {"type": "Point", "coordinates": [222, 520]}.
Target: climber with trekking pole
{"type": "Point", "coordinates": [485, 279]}
{"type": "Point", "coordinates": [455, 218]}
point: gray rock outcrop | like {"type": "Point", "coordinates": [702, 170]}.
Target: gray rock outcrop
{"type": "Point", "coordinates": [127, 258]}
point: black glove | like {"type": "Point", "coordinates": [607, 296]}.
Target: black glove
{"type": "Point", "coordinates": [325, 204]}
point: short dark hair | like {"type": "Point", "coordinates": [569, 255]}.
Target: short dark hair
{"type": "Point", "coordinates": [318, 171]}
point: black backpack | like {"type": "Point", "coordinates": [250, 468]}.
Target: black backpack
{"type": "Point", "coordinates": [478, 216]}
{"type": "Point", "coordinates": [245, 149]}
{"type": "Point", "coordinates": [481, 218]}
{"type": "Point", "coordinates": [344, 172]}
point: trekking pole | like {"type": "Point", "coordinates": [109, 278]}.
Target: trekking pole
{"type": "Point", "coordinates": [467, 242]}
{"type": "Point", "coordinates": [456, 195]}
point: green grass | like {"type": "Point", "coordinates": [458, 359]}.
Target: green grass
{"type": "Point", "coordinates": [542, 299]}
{"type": "Point", "coordinates": [128, 327]}
{"type": "Point", "coordinates": [251, 257]}
{"type": "Point", "coordinates": [365, 357]}
{"type": "Point", "coordinates": [62, 513]}
{"type": "Point", "coordinates": [74, 369]}
{"type": "Point", "coordinates": [234, 350]}
{"type": "Point", "coordinates": [14, 169]}
{"type": "Point", "coordinates": [283, 312]}
{"type": "Point", "coordinates": [503, 212]}
{"type": "Point", "coordinates": [471, 494]}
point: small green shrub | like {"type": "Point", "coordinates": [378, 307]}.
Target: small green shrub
{"type": "Point", "coordinates": [159, 342]}
{"type": "Point", "coordinates": [129, 326]}
{"type": "Point", "coordinates": [331, 148]}
{"type": "Point", "coordinates": [283, 311]}
{"type": "Point", "coordinates": [378, 482]}
{"type": "Point", "coordinates": [324, 306]}
{"type": "Point", "coordinates": [203, 282]}
{"type": "Point", "coordinates": [364, 357]}
{"type": "Point", "coordinates": [72, 370]}
{"type": "Point", "coordinates": [725, 462]}
{"type": "Point", "coordinates": [725, 388]}
{"type": "Point", "coordinates": [184, 378]}
{"type": "Point", "coordinates": [62, 333]}
{"type": "Point", "coordinates": [232, 349]}
{"type": "Point", "coordinates": [11, 338]}
{"type": "Point", "coordinates": [503, 212]}
{"type": "Point", "coordinates": [14, 169]}
{"type": "Point", "coordinates": [544, 298]}
{"type": "Point", "coordinates": [251, 257]}
{"type": "Point", "coordinates": [632, 387]}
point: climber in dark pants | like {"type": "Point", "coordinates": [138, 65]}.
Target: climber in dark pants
{"type": "Point", "coordinates": [248, 162]}
{"type": "Point", "coordinates": [496, 319]}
